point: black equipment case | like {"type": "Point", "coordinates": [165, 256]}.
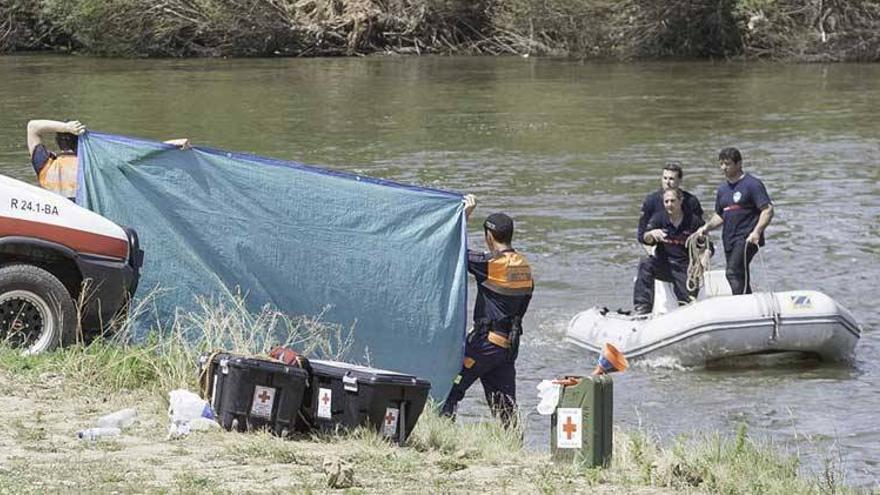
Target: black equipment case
{"type": "Point", "coordinates": [346, 395]}
{"type": "Point", "coordinates": [251, 393]}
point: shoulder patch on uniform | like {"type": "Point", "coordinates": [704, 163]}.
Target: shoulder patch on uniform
{"type": "Point", "coordinates": [509, 272]}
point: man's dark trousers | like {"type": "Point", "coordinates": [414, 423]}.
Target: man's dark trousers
{"type": "Point", "coordinates": [493, 366]}
{"type": "Point", "coordinates": [659, 268]}
{"type": "Point", "coordinates": [738, 260]}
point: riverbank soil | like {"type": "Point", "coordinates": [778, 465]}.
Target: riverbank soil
{"type": "Point", "coordinates": [39, 453]}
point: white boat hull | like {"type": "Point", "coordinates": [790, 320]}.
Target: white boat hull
{"type": "Point", "coordinates": [725, 326]}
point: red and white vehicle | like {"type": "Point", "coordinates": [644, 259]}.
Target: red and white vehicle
{"type": "Point", "coordinates": [54, 255]}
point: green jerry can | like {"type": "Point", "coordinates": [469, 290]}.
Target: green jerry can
{"type": "Point", "coordinates": [580, 428]}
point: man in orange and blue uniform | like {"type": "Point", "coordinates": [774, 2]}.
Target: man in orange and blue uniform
{"type": "Point", "coordinates": [504, 290]}
{"type": "Point", "coordinates": [58, 172]}
{"type": "Point", "coordinates": [55, 172]}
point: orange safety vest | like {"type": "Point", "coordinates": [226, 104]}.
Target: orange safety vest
{"type": "Point", "coordinates": [510, 275]}
{"type": "Point", "coordinates": [59, 175]}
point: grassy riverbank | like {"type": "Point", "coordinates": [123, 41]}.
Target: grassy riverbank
{"type": "Point", "coordinates": [47, 398]}
{"type": "Point", "coordinates": [822, 30]}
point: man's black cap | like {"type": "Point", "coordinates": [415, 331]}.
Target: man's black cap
{"type": "Point", "coordinates": [500, 224]}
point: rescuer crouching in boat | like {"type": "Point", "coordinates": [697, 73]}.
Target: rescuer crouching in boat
{"type": "Point", "coordinates": [504, 290]}
{"type": "Point", "coordinates": [669, 230]}
{"type": "Point", "coordinates": [643, 295]}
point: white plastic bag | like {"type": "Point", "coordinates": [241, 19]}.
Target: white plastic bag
{"type": "Point", "coordinates": [548, 393]}
{"type": "Point", "coordinates": [184, 409]}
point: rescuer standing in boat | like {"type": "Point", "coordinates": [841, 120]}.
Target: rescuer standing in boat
{"type": "Point", "coordinates": [504, 290]}
{"type": "Point", "coordinates": [643, 293]}
{"type": "Point", "coordinates": [743, 206]}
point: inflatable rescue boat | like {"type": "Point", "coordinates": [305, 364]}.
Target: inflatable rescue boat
{"type": "Point", "coordinates": [719, 326]}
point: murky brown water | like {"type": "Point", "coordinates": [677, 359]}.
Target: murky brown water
{"type": "Point", "coordinates": [570, 150]}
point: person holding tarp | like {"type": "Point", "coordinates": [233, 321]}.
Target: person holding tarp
{"type": "Point", "coordinates": [57, 172]}
{"type": "Point", "coordinates": [504, 290]}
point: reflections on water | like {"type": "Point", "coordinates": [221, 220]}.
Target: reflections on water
{"type": "Point", "coordinates": [570, 150]}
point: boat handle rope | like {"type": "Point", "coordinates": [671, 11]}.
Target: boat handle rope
{"type": "Point", "coordinates": [775, 310]}
{"type": "Point", "coordinates": [698, 265]}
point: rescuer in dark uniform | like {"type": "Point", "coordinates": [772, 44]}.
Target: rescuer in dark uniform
{"type": "Point", "coordinates": [744, 209]}
{"type": "Point", "coordinates": [643, 293]}
{"type": "Point", "coordinates": [668, 230]}
{"type": "Point", "coordinates": [504, 289]}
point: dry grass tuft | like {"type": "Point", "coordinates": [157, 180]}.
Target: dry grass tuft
{"type": "Point", "coordinates": [166, 358]}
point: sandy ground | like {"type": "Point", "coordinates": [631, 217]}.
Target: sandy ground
{"type": "Point", "coordinates": [39, 453]}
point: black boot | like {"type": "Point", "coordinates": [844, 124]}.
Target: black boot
{"type": "Point", "coordinates": [641, 309]}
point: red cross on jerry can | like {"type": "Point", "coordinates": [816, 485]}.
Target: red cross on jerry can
{"type": "Point", "coordinates": [569, 427]}
{"type": "Point", "coordinates": [581, 426]}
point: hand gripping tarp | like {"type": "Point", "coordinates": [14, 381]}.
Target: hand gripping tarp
{"type": "Point", "coordinates": [387, 258]}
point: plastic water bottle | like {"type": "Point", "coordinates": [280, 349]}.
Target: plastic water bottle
{"type": "Point", "coordinates": [120, 419]}
{"type": "Point", "coordinates": [96, 433]}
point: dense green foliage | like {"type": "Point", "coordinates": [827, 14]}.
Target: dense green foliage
{"type": "Point", "coordinates": [615, 29]}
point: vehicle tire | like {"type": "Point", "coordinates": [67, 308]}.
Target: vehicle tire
{"type": "Point", "coordinates": [36, 311]}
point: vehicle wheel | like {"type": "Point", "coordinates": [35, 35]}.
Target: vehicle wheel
{"type": "Point", "coordinates": [36, 311]}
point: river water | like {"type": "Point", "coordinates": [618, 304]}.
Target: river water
{"type": "Point", "coordinates": [569, 149]}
